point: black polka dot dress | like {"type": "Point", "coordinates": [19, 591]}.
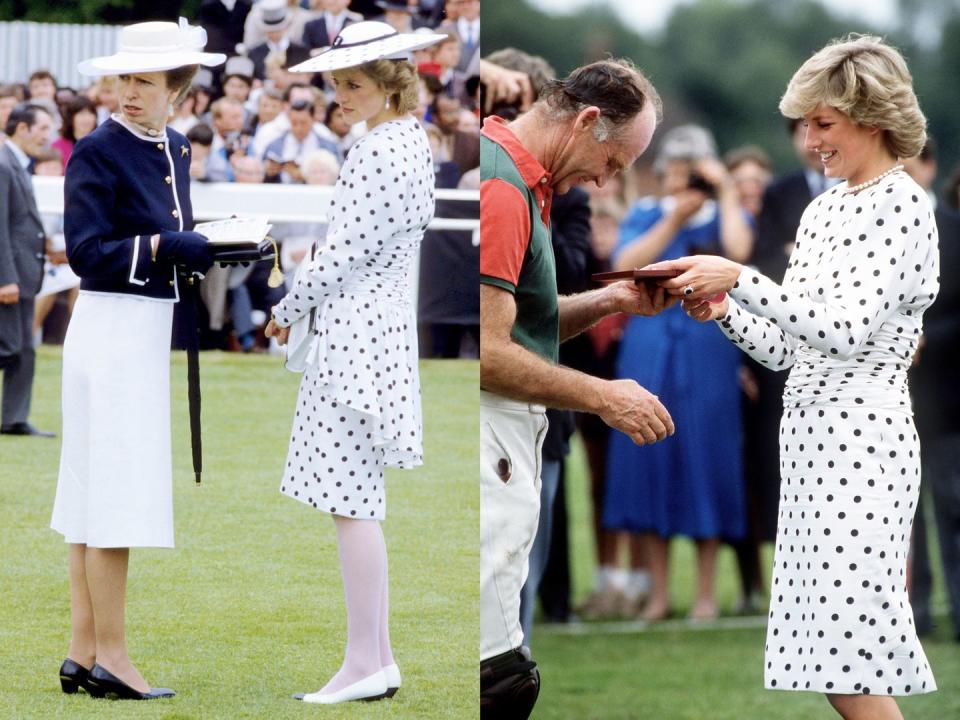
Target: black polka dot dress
{"type": "Point", "coordinates": [358, 409]}
{"type": "Point", "coordinates": [846, 321]}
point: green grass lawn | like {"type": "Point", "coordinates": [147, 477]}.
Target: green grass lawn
{"type": "Point", "coordinates": [673, 671]}
{"type": "Point", "coordinates": [248, 608]}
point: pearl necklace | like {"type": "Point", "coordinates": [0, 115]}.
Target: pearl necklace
{"type": "Point", "coordinates": [873, 181]}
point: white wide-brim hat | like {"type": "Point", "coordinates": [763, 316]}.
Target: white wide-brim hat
{"type": "Point", "coordinates": [152, 47]}
{"type": "Point", "coordinates": [364, 42]}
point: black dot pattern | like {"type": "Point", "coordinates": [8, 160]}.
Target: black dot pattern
{"type": "Point", "coordinates": [847, 321]}
{"type": "Point", "coordinates": [358, 409]}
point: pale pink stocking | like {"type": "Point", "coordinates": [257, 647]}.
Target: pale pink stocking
{"type": "Point", "coordinates": [363, 563]}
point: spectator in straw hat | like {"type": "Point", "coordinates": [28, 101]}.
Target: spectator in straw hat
{"type": "Point", "coordinates": [256, 27]}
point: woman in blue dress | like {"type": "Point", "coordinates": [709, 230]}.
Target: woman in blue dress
{"type": "Point", "coordinates": [691, 484]}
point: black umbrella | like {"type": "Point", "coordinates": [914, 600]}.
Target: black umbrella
{"type": "Point", "coordinates": [226, 254]}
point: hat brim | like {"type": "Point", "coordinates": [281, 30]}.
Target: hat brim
{"type": "Point", "coordinates": [124, 63]}
{"type": "Point", "coordinates": [340, 58]}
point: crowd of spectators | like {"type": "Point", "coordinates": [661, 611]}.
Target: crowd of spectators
{"type": "Point", "coordinates": [254, 121]}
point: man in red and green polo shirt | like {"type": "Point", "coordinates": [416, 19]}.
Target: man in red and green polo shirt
{"type": "Point", "coordinates": [584, 128]}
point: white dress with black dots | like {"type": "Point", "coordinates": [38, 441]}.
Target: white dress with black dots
{"type": "Point", "coordinates": [846, 321]}
{"type": "Point", "coordinates": [358, 408]}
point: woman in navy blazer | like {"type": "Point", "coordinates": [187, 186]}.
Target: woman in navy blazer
{"type": "Point", "coordinates": [127, 220]}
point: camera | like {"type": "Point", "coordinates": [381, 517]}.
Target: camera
{"type": "Point", "coordinates": [696, 181]}
{"type": "Point", "coordinates": [232, 142]}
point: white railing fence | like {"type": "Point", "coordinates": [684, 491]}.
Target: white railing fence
{"type": "Point", "coordinates": [277, 203]}
{"type": "Point", "coordinates": [29, 46]}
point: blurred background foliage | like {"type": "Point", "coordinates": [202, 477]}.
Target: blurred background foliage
{"type": "Point", "coordinates": [725, 64]}
{"type": "Point", "coordinates": [96, 11]}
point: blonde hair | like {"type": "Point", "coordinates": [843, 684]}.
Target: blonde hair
{"type": "Point", "coordinates": [398, 78]}
{"type": "Point", "coordinates": [867, 80]}
{"type": "Point", "coordinates": [321, 159]}
{"type": "Point", "coordinates": [216, 110]}
{"type": "Point", "coordinates": [275, 60]}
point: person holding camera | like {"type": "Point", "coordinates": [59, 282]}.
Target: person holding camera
{"type": "Point", "coordinates": [284, 156]}
{"type": "Point", "coordinates": [691, 484]}
{"type": "Point", "coordinates": [227, 117]}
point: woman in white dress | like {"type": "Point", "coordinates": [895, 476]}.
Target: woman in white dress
{"type": "Point", "coordinates": [127, 222]}
{"type": "Point", "coordinates": [847, 321]}
{"type": "Point", "coordinates": [358, 410]}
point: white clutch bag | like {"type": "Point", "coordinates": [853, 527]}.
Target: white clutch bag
{"type": "Point", "coordinates": [302, 332]}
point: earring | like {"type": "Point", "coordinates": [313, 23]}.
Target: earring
{"type": "Point", "coordinates": [386, 103]}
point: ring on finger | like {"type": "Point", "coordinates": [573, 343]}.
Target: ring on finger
{"type": "Point", "coordinates": [688, 290]}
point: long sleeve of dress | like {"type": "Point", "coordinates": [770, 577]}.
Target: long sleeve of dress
{"type": "Point", "coordinates": [364, 213]}
{"type": "Point", "coordinates": [875, 270]}
{"type": "Point", "coordinates": [760, 338]}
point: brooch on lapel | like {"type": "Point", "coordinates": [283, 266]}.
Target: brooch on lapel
{"type": "Point", "coordinates": [184, 151]}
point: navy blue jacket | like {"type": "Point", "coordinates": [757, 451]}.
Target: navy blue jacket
{"type": "Point", "coordinates": [120, 189]}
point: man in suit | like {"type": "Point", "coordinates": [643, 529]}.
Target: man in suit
{"type": "Point", "coordinates": [276, 19]}
{"type": "Point", "coordinates": [456, 145]}
{"type": "Point", "coordinates": [223, 20]}
{"type": "Point", "coordinates": [468, 28]}
{"type": "Point", "coordinates": [784, 201]}
{"type": "Point", "coordinates": [22, 242]}
{"type": "Point", "coordinates": [320, 33]}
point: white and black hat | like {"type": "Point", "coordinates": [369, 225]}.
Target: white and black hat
{"type": "Point", "coordinates": [153, 47]}
{"type": "Point", "coordinates": [363, 42]}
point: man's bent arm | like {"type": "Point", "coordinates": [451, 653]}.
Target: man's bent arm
{"type": "Point", "coordinates": [510, 370]}
{"type": "Point", "coordinates": [579, 312]}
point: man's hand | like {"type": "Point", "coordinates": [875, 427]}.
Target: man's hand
{"type": "Point", "coordinates": [274, 330]}
{"type": "Point", "coordinates": [272, 168]}
{"type": "Point", "coordinates": [293, 170]}
{"type": "Point", "coordinates": [57, 257]}
{"type": "Point", "coordinates": [688, 204]}
{"type": "Point", "coordinates": [645, 298]}
{"type": "Point", "coordinates": [631, 409]}
{"type": "Point", "coordinates": [9, 294]}
{"type": "Point", "coordinates": [505, 85]}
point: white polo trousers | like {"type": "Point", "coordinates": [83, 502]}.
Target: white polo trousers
{"type": "Point", "coordinates": [511, 436]}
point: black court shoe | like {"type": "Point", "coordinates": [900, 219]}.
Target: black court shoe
{"type": "Point", "coordinates": [73, 676]}
{"type": "Point", "coordinates": [106, 684]}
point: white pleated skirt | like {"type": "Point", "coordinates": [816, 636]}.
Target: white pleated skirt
{"type": "Point", "coordinates": [115, 482]}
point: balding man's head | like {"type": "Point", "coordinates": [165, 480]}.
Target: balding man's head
{"type": "Point", "coordinates": [616, 87]}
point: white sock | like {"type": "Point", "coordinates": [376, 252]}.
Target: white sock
{"type": "Point", "coordinates": [618, 579]}
{"type": "Point", "coordinates": [602, 577]}
{"type": "Point", "coordinates": [638, 583]}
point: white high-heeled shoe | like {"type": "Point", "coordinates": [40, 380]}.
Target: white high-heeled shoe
{"type": "Point", "coordinates": [372, 687]}
{"type": "Point", "coordinates": [392, 673]}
